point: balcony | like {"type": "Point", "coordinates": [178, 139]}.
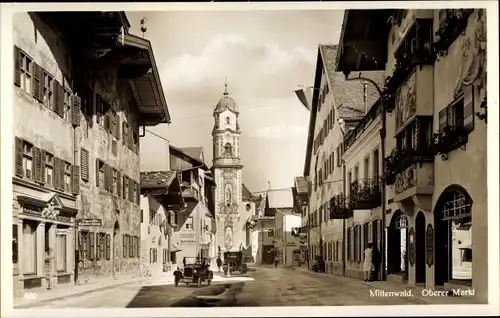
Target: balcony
{"type": "Point", "coordinates": [451, 138]}
{"type": "Point", "coordinates": [365, 194]}
{"type": "Point", "coordinates": [339, 208]}
{"type": "Point", "coordinates": [415, 49]}
{"type": "Point", "coordinates": [402, 158]}
{"type": "Point", "coordinates": [452, 23]}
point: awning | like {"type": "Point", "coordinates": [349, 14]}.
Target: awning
{"type": "Point", "coordinates": [175, 248]}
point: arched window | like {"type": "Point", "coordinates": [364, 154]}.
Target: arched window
{"type": "Point", "coordinates": [228, 149]}
{"type": "Point", "coordinates": [228, 120]}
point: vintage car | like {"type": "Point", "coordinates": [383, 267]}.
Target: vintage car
{"type": "Point", "coordinates": [234, 262]}
{"type": "Point", "coordinates": [195, 270]}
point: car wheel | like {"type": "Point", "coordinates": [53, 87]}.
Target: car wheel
{"type": "Point", "coordinates": [199, 281]}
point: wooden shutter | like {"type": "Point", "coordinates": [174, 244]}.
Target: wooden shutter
{"type": "Point", "coordinates": [75, 179]}
{"type": "Point", "coordinates": [125, 249]}
{"type": "Point", "coordinates": [124, 186]}
{"type": "Point", "coordinates": [117, 126]}
{"type": "Point", "coordinates": [58, 92]}
{"type": "Point", "coordinates": [98, 246]}
{"type": "Point", "coordinates": [36, 162]}
{"type": "Point", "coordinates": [106, 177]}
{"type": "Point", "coordinates": [131, 190]}
{"type": "Point", "coordinates": [92, 246]}
{"type": "Point", "coordinates": [119, 183]}
{"type": "Point", "coordinates": [137, 193]}
{"type": "Point", "coordinates": [84, 162]}
{"type": "Point", "coordinates": [469, 108]}
{"type": "Point", "coordinates": [62, 167]}
{"type": "Point", "coordinates": [443, 119]}
{"type": "Point", "coordinates": [138, 246]}
{"type": "Point", "coordinates": [130, 138]}
{"type": "Point", "coordinates": [76, 105]}
{"type": "Point", "coordinates": [17, 66]}
{"type": "Point", "coordinates": [108, 246]}
{"type": "Point", "coordinates": [43, 156]}
{"type": "Point", "coordinates": [97, 164]}
{"type": "Point", "coordinates": [130, 246]}
{"type": "Point", "coordinates": [38, 82]}
{"type": "Point", "coordinates": [55, 173]}
{"type": "Point", "coordinates": [18, 162]}
{"type": "Point", "coordinates": [107, 121]}
{"type": "Point", "coordinates": [112, 127]}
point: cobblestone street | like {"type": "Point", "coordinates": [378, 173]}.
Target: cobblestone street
{"type": "Point", "coordinates": [266, 286]}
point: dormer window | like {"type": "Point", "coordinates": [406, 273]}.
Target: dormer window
{"type": "Point", "coordinates": [228, 121]}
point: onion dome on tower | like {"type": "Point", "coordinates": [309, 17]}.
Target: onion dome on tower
{"type": "Point", "coordinates": [226, 103]}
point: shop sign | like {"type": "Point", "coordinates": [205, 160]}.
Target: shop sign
{"type": "Point", "coordinates": [89, 222]}
{"type": "Point", "coordinates": [188, 241]}
{"type": "Point", "coordinates": [60, 231]}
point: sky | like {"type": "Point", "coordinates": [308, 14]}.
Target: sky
{"type": "Point", "coordinates": [265, 56]}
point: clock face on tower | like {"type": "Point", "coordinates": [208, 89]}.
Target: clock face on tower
{"type": "Point", "coordinates": [228, 135]}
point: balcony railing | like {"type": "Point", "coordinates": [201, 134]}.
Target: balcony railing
{"type": "Point", "coordinates": [452, 22]}
{"type": "Point", "coordinates": [400, 159]}
{"type": "Point", "coordinates": [415, 49]}
{"type": "Point", "coordinates": [340, 208]}
{"type": "Point", "coordinates": [451, 138]}
{"type": "Point", "coordinates": [365, 194]}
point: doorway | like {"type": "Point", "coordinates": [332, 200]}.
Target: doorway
{"type": "Point", "coordinates": [452, 241]}
{"type": "Point", "coordinates": [397, 245]}
{"type": "Point", "coordinates": [420, 248]}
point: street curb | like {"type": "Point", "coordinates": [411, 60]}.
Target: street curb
{"type": "Point", "coordinates": [38, 303]}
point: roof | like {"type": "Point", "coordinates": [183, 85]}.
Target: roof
{"type": "Point", "coordinates": [195, 152]}
{"type": "Point", "coordinates": [157, 179]}
{"type": "Point", "coordinates": [245, 193]}
{"type": "Point", "coordinates": [280, 198]}
{"type": "Point", "coordinates": [301, 185]}
{"type": "Point", "coordinates": [226, 103]}
{"type": "Point", "coordinates": [181, 152]}
{"type": "Point", "coordinates": [348, 96]}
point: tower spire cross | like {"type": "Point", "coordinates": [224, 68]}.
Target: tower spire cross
{"type": "Point", "coordinates": [225, 87]}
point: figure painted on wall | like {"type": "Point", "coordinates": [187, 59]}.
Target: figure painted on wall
{"type": "Point", "coordinates": [228, 237]}
{"type": "Point", "coordinates": [229, 191]}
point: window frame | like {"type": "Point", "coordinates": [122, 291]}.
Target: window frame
{"type": "Point", "coordinates": [67, 176]}
{"type": "Point", "coordinates": [26, 72]}
{"type": "Point", "coordinates": [28, 156]}
{"type": "Point", "coordinates": [48, 90]}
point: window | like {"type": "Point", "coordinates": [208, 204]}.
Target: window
{"type": "Point", "coordinates": [270, 233]}
{"type": "Point", "coordinates": [366, 235]}
{"type": "Point", "coordinates": [189, 223]}
{"type": "Point", "coordinates": [375, 171]}
{"type": "Point", "coordinates": [101, 179]}
{"type": "Point", "coordinates": [165, 256]}
{"type": "Point", "coordinates": [67, 105]}
{"type": "Point", "coordinates": [339, 157]}
{"type": "Point", "coordinates": [131, 246]}
{"type": "Point", "coordinates": [359, 244]}
{"type": "Point", "coordinates": [15, 243]}
{"type": "Point", "coordinates": [467, 255]}
{"type": "Point", "coordinates": [356, 173]}
{"type": "Point", "coordinates": [108, 247]}
{"type": "Point", "coordinates": [134, 193]}
{"type": "Point", "coordinates": [101, 246]}
{"type": "Point", "coordinates": [366, 167]}
{"type": "Point", "coordinates": [228, 121]}
{"type": "Point", "coordinates": [349, 181]}
{"type": "Point", "coordinates": [356, 243]}
{"type": "Point", "coordinates": [125, 187]}
{"type": "Point", "coordinates": [456, 114]}
{"type": "Point", "coordinates": [125, 245]}
{"type": "Point", "coordinates": [25, 64]}
{"type": "Point", "coordinates": [350, 244]}
{"type": "Point", "coordinates": [84, 245]}
{"type": "Point", "coordinates": [61, 253]}
{"type": "Point", "coordinates": [28, 160]}
{"type": "Point", "coordinates": [48, 82]}
{"type": "Point", "coordinates": [228, 149]}
{"type": "Point", "coordinates": [49, 169]}
{"type": "Point", "coordinates": [29, 248]}
{"type": "Point", "coordinates": [115, 181]}
{"type": "Point", "coordinates": [67, 176]}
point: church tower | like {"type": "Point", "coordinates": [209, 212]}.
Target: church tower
{"type": "Point", "coordinates": [227, 171]}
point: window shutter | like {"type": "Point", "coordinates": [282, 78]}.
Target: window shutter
{"type": "Point", "coordinates": [43, 156]}
{"type": "Point", "coordinates": [17, 66]}
{"type": "Point", "coordinates": [18, 162]}
{"type": "Point", "coordinates": [107, 121]}
{"type": "Point", "coordinates": [124, 186]}
{"type": "Point", "coordinates": [124, 133]}
{"type": "Point", "coordinates": [137, 193]}
{"type": "Point", "coordinates": [97, 173]}
{"type": "Point", "coordinates": [58, 98]}
{"type": "Point", "coordinates": [119, 183]}
{"type": "Point", "coordinates": [61, 174]}
{"type": "Point", "coordinates": [84, 162]}
{"type": "Point", "coordinates": [91, 246]}
{"type": "Point", "coordinates": [130, 246]}
{"type": "Point", "coordinates": [38, 82]}
{"type": "Point", "coordinates": [131, 190]}
{"type": "Point", "coordinates": [125, 249]}
{"type": "Point", "coordinates": [443, 119]}
{"type": "Point", "coordinates": [108, 246]}
{"type": "Point", "coordinates": [106, 177]}
{"type": "Point", "coordinates": [117, 127]}
{"type": "Point", "coordinates": [469, 108]}
{"type": "Point", "coordinates": [98, 246]}
{"type": "Point", "coordinates": [36, 164]}
{"type": "Point", "coordinates": [112, 128]}
{"type": "Point", "coordinates": [130, 138]}
{"type": "Point", "coordinates": [76, 105]}
{"type": "Point", "coordinates": [75, 179]}
{"type": "Point", "coordinates": [138, 246]}
{"type": "Point", "coordinates": [55, 173]}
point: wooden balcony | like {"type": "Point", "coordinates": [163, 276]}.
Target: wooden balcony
{"type": "Point", "coordinates": [400, 159]}
{"type": "Point", "coordinates": [365, 194]}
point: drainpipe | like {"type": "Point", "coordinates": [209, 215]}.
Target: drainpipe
{"type": "Point", "coordinates": [382, 154]}
{"type": "Point", "coordinates": [75, 232]}
{"type": "Point", "coordinates": [344, 260]}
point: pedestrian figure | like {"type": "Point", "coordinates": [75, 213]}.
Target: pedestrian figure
{"type": "Point", "coordinates": [367, 264]}
{"type": "Point", "coordinates": [219, 262]}
{"type": "Point", "coordinates": [48, 266]}
{"type": "Point", "coordinates": [376, 259]}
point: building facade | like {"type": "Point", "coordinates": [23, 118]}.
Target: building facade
{"type": "Point", "coordinates": [436, 140]}
{"type": "Point", "coordinates": [337, 107]}
{"type": "Point", "coordinates": [231, 213]}
{"type": "Point", "coordinates": [77, 119]}
{"type": "Point", "coordinates": [194, 233]}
